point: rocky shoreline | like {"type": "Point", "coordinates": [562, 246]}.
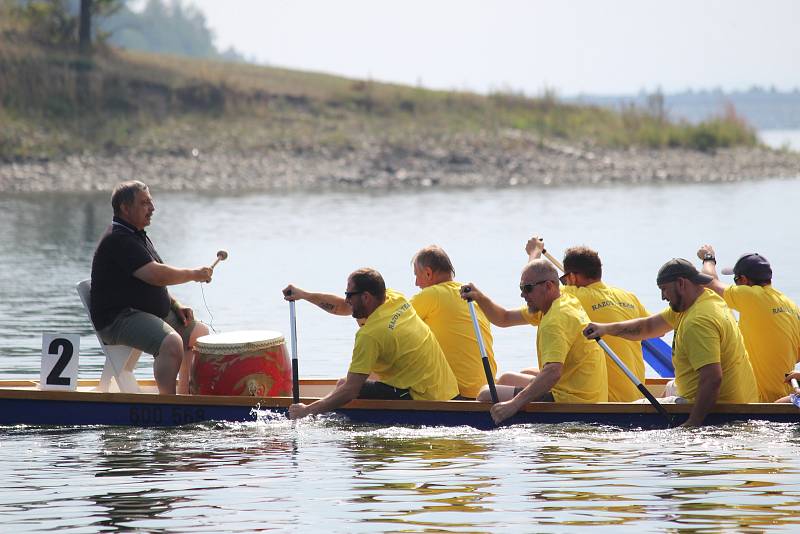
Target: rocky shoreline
{"type": "Point", "coordinates": [456, 162]}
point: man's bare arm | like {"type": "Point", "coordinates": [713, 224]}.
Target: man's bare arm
{"type": "Point", "coordinates": [330, 303]}
{"type": "Point", "coordinates": [707, 393]}
{"type": "Point", "coordinates": [634, 329]}
{"type": "Point", "coordinates": [710, 268]}
{"type": "Point", "coordinates": [343, 394]}
{"type": "Point", "coordinates": [496, 314]}
{"type": "Point", "coordinates": [161, 275]}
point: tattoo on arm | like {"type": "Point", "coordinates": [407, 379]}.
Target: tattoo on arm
{"type": "Point", "coordinates": [327, 306]}
{"type": "Point", "coordinates": [630, 330]}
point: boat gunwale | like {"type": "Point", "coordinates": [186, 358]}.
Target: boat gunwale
{"type": "Point", "coordinates": [28, 389]}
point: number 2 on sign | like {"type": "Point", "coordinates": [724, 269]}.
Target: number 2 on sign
{"type": "Point", "coordinates": [59, 361]}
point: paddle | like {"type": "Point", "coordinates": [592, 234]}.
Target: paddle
{"type": "Point", "coordinates": [295, 372]}
{"type": "Point", "coordinates": [655, 352]}
{"type": "Point", "coordinates": [794, 397]}
{"type": "Point", "coordinates": [553, 260]}
{"type": "Point", "coordinates": [633, 378]}
{"type": "Point", "coordinates": [487, 368]}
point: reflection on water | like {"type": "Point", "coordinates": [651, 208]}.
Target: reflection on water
{"type": "Point", "coordinates": [278, 474]}
{"type": "Point", "coordinates": [387, 479]}
{"type": "Point", "coordinates": [326, 473]}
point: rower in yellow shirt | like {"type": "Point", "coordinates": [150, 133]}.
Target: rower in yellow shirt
{"type": "Point", "coordinates": [582, 279]}
{"type": "Point", "coordinates": [572, 368]}
{"type": "Point", "coordinates": [445, 312]}
{"type": "Point", "coordinates": [768, 319]}
{"type": "Point", "coordinates": [711, 363]}
{"type": "Point", "coordinates": [393, 344]}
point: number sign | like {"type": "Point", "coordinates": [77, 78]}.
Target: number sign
{"type": "Point", "coordinates": [60, 361]}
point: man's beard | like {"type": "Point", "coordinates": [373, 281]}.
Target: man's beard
{"type": "Point", "coordinates": [677, 304]}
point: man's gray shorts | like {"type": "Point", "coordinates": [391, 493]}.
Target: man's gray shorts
{"type": "Point", "coordinates": [145, 331]}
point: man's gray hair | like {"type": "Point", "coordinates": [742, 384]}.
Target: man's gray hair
{"type": "Point", "coordinates": [125, 193]}
{"type": "Point", "coordinates": [541, 268]}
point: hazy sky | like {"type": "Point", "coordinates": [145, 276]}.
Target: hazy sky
{"type": "Point", "coordinates": [571, 46]}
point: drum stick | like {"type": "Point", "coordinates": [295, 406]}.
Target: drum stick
{"type": "Point", "coordinates": [222, 255]}
{"type": "Point", "coordinates": [295, 371]}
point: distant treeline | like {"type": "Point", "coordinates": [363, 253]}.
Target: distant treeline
{"type": "Point", "coordinates": [762, 108]}
{"type": "Point", "coordinates": [162, 27]}
{"type": "Point", "coordinates": [165, 28]}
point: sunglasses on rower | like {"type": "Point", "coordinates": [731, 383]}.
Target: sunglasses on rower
{"type": "Point", "coordinates": [527, 288]}
{"type": "Point", "coordinates": [351, 294]}
{"type": "Point", "coordinates": [564, 276]}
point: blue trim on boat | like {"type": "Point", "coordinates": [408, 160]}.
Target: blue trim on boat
{"type": "Point", "coordinates": [15, 411]}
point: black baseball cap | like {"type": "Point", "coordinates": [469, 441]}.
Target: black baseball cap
{"type": "Point", "coordinates": [681, 268]}
{"type": "Point", "coordinates": [752, 265]}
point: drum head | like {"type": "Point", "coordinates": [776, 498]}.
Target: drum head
{"type": "Point", "coordinates": [239, 341]}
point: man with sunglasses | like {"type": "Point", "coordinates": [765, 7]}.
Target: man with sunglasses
{"type": "Point", "coordinates": [583, 271]}
{"type": "Point", "coordinates": [394, 344]}
{"type": "Point", "coordinates": [572, 368]}
{"type": "Point", "coordinates": [769, 320]}
{"type": "Point", "coordinates": [711, 363]}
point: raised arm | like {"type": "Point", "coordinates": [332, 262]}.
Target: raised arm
{"type": "Point", "coordinates": [158, 274]}
{"type": "Point", "coordinates": [709, 259]}
{"type": "Point", "coordinates": [496, 314]}
{"type": "Point", "coordinates": [634, 329]}
{"type": "Point", "coordinates": [534, 247]}
{"type": "Point", "coordinates": [330, 303]}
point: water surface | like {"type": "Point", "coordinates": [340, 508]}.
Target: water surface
{"type": "Point", "coordinates": [327, 473]}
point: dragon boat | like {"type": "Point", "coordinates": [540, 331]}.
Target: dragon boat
{"type": "Point", "coordinates": [23, 402]}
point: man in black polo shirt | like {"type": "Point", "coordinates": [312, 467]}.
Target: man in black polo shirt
{"type": "Point", "coordinates": [130, 304]}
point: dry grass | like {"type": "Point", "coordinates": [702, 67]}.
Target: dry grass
{"type": "Point", "coordinates": [139, 101]}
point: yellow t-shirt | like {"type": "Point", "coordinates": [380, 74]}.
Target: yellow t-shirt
{"type": "Point", "coordinates": [396, 345]}
{"type": "Point", "coordinates": [605, 304]}
{"type": "Point", "coordinates": [770, 325]}
{"type": "Point", "coordinates": [447, 315]}
{"type": "Point", "coordinates": [560, 339]}
{"type": "Point", "coordinates": [707, 333]}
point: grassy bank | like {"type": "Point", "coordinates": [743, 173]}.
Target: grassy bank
{"type": "Point", "coordinates": [55, 103]}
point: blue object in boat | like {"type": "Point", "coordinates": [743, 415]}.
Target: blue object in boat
{"type": "Point", "coordinates": [658, 355]}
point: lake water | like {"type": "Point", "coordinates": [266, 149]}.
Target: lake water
{"type": "Point", "coordinates": [781, 139]}
{"type": "Point", "coordinates": [326, 473]}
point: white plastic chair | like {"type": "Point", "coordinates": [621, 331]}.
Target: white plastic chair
{"type": "Point", "coordinates": [120, 359]}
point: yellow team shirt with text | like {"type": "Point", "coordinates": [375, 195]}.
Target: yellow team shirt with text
{"type": "Point", "coordinates": [560, 339]}
{"type": "Point", "coordinates": [606, 304]}
{"type": "Point", "coordinates": [770, 325]}
{"type": "Point", "coordinates": [447, 315]}
{"type": "Point", "coordinates": [705, 334]}
{"type": "Point", "coordinates": [398, 346]}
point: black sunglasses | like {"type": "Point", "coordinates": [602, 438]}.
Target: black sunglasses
{"type": "Point", "coordinates": [527, 288]}
{"type": "Point", "coordinates": [563, 277]}
{"type": "Point", "coordinates": [350, 294]}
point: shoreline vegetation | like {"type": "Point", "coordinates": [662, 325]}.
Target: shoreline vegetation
{"type": "Point", "coordinates": [72, 122]}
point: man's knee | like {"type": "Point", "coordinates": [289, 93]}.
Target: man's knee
{"type": "Point", "coordinates": [200, 330]}
{"type": "Point", "coordinates": [171, 347]}
{"type": "Point", "coordinates": [484, 395]}
{"type": "Point", "coordinates": [514, 379]}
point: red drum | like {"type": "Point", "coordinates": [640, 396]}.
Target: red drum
{"type": "Point", "coordinates": [247, 362]}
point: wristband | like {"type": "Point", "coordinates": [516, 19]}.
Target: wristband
{"type": "Point", "coordinates": [710, 257]}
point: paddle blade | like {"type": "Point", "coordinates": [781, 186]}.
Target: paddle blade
{"type": "Point", "coordinates": [658, 355]}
